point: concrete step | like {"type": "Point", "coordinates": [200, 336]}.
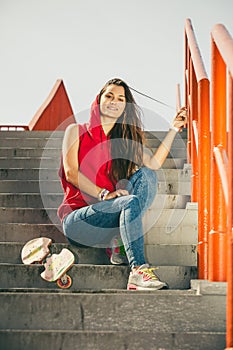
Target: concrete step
{"type": "Point", "coordinates": [28, 163]}
{"type": "Point", "coordinates": [182, 175]}
{"type": "Point", "coordinates": [51, 163]}
{"type": "Point", "coordinates": [159, 254]}
{"type": "Point", "coordinates": [171, 254]}
{"type": "Point", "coordinates": [47, 135]}
{"type": "Point", "coordinates": [23, 232]}
{"type": "Point", "coordinates": [16, 146]}
{"type": "Point", "coordinates": [53, 200]}
{"type": "Point", "coordinates": [30, 200]}
{"type": "Point", "coordinates": [160, 134]}
{"type": "Point", "coordinates": [54, 186]}
{"type": "Point", "coordinates": [59, 133]}
{"type": "Point", "coordinates": [98, 340]}
{"type": "Point", "coordinates": [184, 234]}
{"type": "Point", "coordinates": [91, 277]}
{"type": "Point", "coordinates": [28, 174]}
{"type": "Point", "coordinates": [154, 217]}
{"type": "Point", "coordinates": [43, 141]}
{"type": "Point", "coordinates": [28, 215]}
{"type": "Point", "coordinates": [205, 287]}
{"type": "Point", "coordinates": [171, 226]}
{"type": "Point", "coordinates": [30, 186]}
{"type": "Point", "coordinates": [31, 142]}
{"type": "Point", "coordinates": [19, 152]}
{"type": "Point", "coordinates": [181, 228]}
{"type": "Point", "coordinates": [163, 311]}
{"type": "Point", "coordinates": [10, 252]}
{"type": "Point", "coordinates": [32, 134]}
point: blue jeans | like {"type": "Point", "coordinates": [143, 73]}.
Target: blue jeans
{"type": "Point", "coordinates": [97, 224]}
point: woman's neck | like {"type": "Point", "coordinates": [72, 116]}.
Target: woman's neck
{"type": "Point", "coordinates": [107, 124]}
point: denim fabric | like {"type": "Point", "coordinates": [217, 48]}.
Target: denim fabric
{"type": "Point", "coordinates": [97, 224]}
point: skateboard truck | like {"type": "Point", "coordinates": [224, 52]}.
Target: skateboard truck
{"type": "Point", "coordinates": [56, 265]}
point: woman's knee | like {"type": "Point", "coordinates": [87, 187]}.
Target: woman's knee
{"type": "Point", "coordinates": [134, 203]}
{"type": "Point", "coordinates": [149, 175]}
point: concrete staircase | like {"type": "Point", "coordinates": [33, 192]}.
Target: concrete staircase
{"type": "Point", "coordinates": [97, 312]}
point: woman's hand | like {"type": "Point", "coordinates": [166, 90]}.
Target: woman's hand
{"type": "Point", "coordinates": [117, 193]}
{"type": "Point", "coordinates": [180, 119]}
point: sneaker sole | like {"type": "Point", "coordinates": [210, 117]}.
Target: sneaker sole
{"type": "Point", "coordinates": [135, 287]}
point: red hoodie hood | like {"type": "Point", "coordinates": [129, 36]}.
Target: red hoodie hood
{"type": "Point", "coordinates": [94, 126]}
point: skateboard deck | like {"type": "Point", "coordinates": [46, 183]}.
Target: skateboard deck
{"type": "Point", "coordinates": [56, 265]}
{"type": "Point", "coordinates": [36, 250]}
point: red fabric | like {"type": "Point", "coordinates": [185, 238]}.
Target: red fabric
{"type": "Point", "coordinates": [94, 159]}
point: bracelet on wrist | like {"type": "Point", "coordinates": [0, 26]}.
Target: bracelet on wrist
{"type": "Point", "coordinates": [103, 194]}
{"type": "Point", "coordinates": [174, 128]}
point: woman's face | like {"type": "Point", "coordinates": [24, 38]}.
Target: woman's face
{"type": "Point", "coordinates": [113, 102]}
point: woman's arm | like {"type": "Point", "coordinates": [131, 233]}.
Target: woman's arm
{"type": "Point", "coordinates": [70, 148]}
{"type": "Point", "coordinates": [155, 161]}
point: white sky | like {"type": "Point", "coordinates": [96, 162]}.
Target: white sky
{"type": "Point", "coordinates": [87, 42]}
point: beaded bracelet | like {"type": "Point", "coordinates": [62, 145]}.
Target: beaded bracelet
{"type": "Point", "coordinates": [174, 128]}
{"type": "Point", "coordinates": [102, 194]}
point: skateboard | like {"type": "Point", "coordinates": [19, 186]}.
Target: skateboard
{"type": "Point", "coordinates": [37, 251]}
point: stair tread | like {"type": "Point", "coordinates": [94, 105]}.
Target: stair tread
{"type": "Point", "coordinates": [183, 292]}
{"type": "Point", "coordinates": [102, 276]}
{"type": "Point", "coordinates": [97, 340]}
{"type": "Point", "coordinates": [164, 311]}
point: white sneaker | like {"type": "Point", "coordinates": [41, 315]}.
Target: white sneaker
{"type": "Point", "coordinates": [144, 278]}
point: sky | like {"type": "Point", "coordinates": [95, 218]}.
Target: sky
{"type": "Point", "coordinates": [86, 42]}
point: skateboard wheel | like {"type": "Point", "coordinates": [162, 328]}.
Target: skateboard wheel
{"type": "Point", "coordinates": [66, 284]}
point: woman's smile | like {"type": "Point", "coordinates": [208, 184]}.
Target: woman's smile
{"type": "Point", "coordinates": [113, 102]}
{"type": "Point", "coordinates": [112, 108]}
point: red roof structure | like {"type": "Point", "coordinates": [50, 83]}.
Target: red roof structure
{"type": "Point", "coordinates": [56, 112]}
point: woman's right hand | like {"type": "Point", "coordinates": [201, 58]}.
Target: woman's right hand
{"type": "Point", "coordinates": [180, 119]}
{"type": "Point", "coordinates": [117, 193]}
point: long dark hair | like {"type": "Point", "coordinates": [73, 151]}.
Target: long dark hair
{"type": "Point", "coordinates": [127, 136]}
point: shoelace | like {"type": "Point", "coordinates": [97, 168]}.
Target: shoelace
{"type": "Point", "coordinates": [149, 272]}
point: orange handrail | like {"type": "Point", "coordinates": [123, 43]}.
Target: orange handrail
{"type": "Point", "coordinates": [222, 221]}
{"type": "Point", "coordinates": [218, 228]}
{"type": "Point", "coordinates": [197, 102]}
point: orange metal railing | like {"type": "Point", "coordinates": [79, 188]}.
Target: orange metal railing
{"type": "Point", "coordinates": [217, 236]}
{"type": "Point", "coordinates": [211, 155]}
{"type": "Point", "coordinates": [197, 102]}
{"type": "Point", "coordinates": [221, 235]}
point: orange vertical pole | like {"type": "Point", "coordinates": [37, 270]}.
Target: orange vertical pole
{"type": "Point", "coordinates": [187, 93]}
{"type": "Point", "coordinates": [193, 107]}
{"type": "Point", "coordinates": [204, 178]}
{"type": "Point", "coordinates": [197, 97]}
{"type": "Point", "coordinates": [229, 323]}
{"type": "Point", "coordinates": [178, 98]}
{"type": "Point", "coordinates": [217, 242]}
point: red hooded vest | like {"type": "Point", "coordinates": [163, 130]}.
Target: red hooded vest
{"type": "Point", "coordinates": [94, 158]}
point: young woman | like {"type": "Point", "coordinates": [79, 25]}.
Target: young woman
{"type": "Point", "coordinates": [109, 180]}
